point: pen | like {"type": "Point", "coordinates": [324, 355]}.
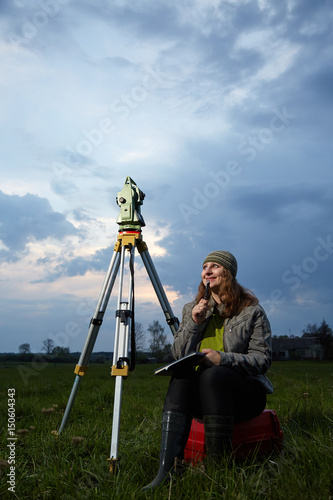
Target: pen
{"type": "Point", "coordinates": [207, 290]}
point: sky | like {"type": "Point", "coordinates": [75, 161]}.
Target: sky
{"type": "Point", "coordinates": [221, 113]}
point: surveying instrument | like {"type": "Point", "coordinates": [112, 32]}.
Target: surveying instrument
{"type": "Point", "coordinates": [130, 223]}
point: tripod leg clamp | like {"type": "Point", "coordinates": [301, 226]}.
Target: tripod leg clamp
{"type": "Point", "coordinates": [123, 372]}
{"type": "Point", "coordinates": [120, 368]}
{"type": "Point", "coordinates": [80, 370]}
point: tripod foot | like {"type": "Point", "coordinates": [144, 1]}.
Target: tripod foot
{"type": "Point", "coordinates": [113, 462]}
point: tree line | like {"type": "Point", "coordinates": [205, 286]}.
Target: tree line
{"type": "Point", "coordinates": [158, 347]}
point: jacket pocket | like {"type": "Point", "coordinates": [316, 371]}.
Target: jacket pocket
{"type": "Point", "coordinates": [231, 326]}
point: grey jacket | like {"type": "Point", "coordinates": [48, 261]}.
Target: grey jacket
{"type": "Point", "coordinates": [247, 341]}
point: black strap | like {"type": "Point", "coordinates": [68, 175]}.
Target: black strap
{"type": "Point", "coordinates": [133, 345]}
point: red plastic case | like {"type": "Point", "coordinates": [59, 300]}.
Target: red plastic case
{"type": "Point", "coordinates": [259, 435]}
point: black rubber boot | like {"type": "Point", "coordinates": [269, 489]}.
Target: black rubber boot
{"type": "Point", "coordinates": [175, 431]}
{"type": "Point", "coordinates": [218, 436]}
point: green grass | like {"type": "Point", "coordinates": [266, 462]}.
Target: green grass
{"type": "Point", "coordinates": [49, 467]}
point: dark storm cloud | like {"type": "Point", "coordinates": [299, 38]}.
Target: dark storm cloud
{"type": "Point", "coordinates": [29, 218]}
{"type": "Point", "coordinates": [285, 204]}
{"type": "Point", "coordinates": [267, 226]}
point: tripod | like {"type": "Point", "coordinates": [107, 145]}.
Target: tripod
{"type": "Point", "coordinates": [129, 238]}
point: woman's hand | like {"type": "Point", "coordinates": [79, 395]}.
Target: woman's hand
{"type": "Point", "coordinates": [212, 357]}
{"type": "Point", "coordinates": [199, 311]}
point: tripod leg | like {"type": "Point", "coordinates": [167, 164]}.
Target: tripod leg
{"type": "Point", "coordinates": [155, 280]}
{"type": "Point", "coordinates": [120, 366]}
{"type": "Point", "coordinates": [94, 327]}
{"type": "Point", "coordinates": [116, 423]}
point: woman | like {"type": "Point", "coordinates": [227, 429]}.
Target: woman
{"type": "Point", "coordinates": [230, 384]}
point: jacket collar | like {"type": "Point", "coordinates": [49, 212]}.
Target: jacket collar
{"type": "Point", "coordinates": [214, 307]}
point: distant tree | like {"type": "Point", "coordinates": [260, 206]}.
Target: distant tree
{"type": "Point", "coordinates": [158, 339]}
{"type": "Point", "coordinates": [310, 330]}
{"type": "Point", "coordinates": [61, 351]}
{"type": "Point", "coordinates": [48, 346]}
{"type": "Point", "coordinates": [24, 349]}
{"type": "Point", "coordinates": [325, 338]}
{"type": "Point", "coordinates": [140, 337]}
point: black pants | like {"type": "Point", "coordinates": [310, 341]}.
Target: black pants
{"type": "Point", "coordinates": [214, 390]}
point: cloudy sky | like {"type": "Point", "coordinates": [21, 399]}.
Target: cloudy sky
{"type": "Point", "coordinates": [219, 110]}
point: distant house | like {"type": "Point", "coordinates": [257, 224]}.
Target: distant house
{"type": "Point", "coordinates": [284, 349]}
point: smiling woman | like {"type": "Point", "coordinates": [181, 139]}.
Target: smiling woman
{"type": "Point", "coordinates": [220, 269]}
{"type": "Point", "coordinates": [230, 384]}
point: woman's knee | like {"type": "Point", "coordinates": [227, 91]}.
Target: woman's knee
{"type": "Point", "coordinates": [216, 373]}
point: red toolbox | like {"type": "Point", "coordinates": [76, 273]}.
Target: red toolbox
{"type": "Point", "coordinates": [258, 435]}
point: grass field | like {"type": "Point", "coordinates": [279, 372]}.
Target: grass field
{"type": "Point", "coordinates": [75, 466]}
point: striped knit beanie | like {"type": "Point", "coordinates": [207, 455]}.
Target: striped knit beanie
{"type": "Point", "coordinates": [225, 259]}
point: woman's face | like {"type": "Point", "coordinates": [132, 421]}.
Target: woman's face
{"type": "Point", "coordinates": [214, 273]}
